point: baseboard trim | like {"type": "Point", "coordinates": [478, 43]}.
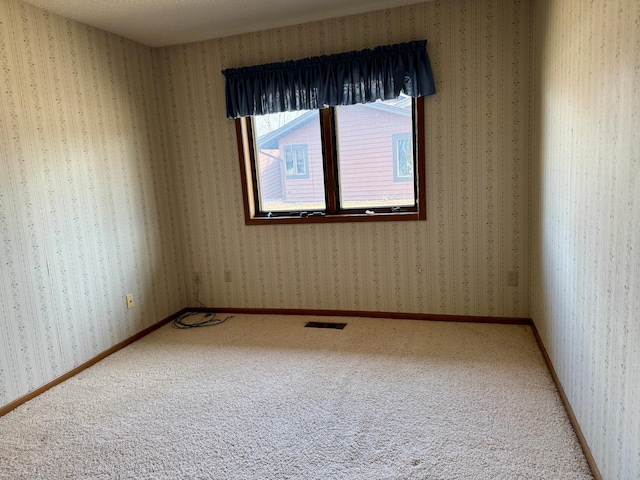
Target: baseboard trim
{"type": "Point", "coordinates": [368, 314]}
{"type": "Point", "coordinates": [333, 313]}
{"type": "Point", "coordinates": [438, 318]}
{"type": "Point", "coordinates": [16, 403]}
{"type": "Point", "coordinates": [574, 421]}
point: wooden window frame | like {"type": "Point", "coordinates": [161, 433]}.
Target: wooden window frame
{"type": "Point", "coordinates": [333, 213]}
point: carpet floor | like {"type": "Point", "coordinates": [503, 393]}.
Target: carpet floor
{"type": "Point", "coordinates": [262, 397]}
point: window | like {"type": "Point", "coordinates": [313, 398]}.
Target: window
{"type": "Point", "coordinates": [287, 162]}
{"type": "Point", "coordinates": [402, 158]}
{"type": "Point", "coordinates": [333, 138]}
{"type": "Point", "coordinates": [361, 162]}
{"type": "Point", "coordinates": [296, 162]}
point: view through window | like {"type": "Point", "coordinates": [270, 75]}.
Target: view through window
{"type": "Point", "coordinates": [346, 160]}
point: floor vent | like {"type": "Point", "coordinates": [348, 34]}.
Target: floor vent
{"type": "Point", "coordinates": [338, 326]}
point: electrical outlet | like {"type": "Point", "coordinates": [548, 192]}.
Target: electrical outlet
{"type": "Point", "coordinates": [196, 278]}
{"type": "Point", "coordinates": [129, 298]}
{"type": "Point", "coordinates": [227, 276]}
{"type": "Point", "coordinates": [512, 278]}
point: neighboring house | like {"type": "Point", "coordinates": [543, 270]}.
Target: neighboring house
{"type": "Point", "coordinates": [373, 137]}
{"type": "Point", "coordinates": [272, 179]}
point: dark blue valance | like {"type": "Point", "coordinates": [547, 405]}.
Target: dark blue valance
{"type": "Point", "coordinates": [330, 80]}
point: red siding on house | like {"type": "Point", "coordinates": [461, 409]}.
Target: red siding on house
{"type": "Point", "coordinates": [365, 144]}
{"type": "Point", "coordinates": [271, 176]}
{"type": "Point", "coordinates": [309, 189]}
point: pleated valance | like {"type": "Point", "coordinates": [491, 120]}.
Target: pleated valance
{"type": "Point", "coordinates": [330, 80]}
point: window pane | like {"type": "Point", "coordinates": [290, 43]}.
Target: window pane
{"type": "Point", "coordinates": [289, 161]}
{"type": "Point", "coordinates": [375, 154]}
{"type": "Point", "coordinates": [301, 162]}
{"type": "Point", "coordinates": [289, 158]}
{"type": "Point", "coordinates": [404, 156]}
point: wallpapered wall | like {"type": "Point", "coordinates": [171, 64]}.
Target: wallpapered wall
{"type": "Point", "coordinates": [478, 170]}
{"type": "Point", "coordinates": [120, 174]}
{"type": "Point", "coordinates": [85, 197]}
{"type": "Point", "coordinates": [586, 217]}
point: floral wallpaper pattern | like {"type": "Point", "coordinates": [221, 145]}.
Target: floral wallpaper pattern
{"type": "Point", "coordinates": [586, 217]}
{"type": "Point", "coordinates": [478, 169]}
{"type": "Point", "coordinates": [119, 174]}
{"type": "Point", "coordinates": [85, 197]}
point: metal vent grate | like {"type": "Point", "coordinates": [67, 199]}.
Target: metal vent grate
{"type": "Point", "coordinates": [338, 326]}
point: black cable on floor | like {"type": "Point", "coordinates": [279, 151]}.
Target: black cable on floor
{"type": "Point", "coordinates": [209, 320]}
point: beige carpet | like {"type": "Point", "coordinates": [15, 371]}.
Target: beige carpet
{"type": "Point", "coordinates": [261, 397]}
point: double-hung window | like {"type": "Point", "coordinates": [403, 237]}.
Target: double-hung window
{"type": "Point", "coordinates": [296, 161]}
{"type": "Point", "coordinates": [341, 160]}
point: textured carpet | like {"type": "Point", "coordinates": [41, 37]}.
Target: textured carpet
{"type": "Point", "coordinates": [261, 397]}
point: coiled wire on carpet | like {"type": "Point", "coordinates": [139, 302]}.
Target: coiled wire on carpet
{"type": "Point", "coordinates": [209, 319]}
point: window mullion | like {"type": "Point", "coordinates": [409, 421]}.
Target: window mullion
{"type": "Point", "coordinates": [330, 163]}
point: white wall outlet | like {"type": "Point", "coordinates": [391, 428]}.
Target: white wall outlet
{"type": "Point", "coordinates": [227, 276]}
{"type": "Point", "coordinates": [512, 278]}
{"type": "Point", "coordinates": [129, 298]}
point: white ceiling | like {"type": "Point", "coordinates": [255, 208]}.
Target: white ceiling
{"type": "Point", "coordinates": [159, 23]}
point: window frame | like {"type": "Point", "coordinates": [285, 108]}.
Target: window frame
{"type": "Point", "coordinates": [333, 213]}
